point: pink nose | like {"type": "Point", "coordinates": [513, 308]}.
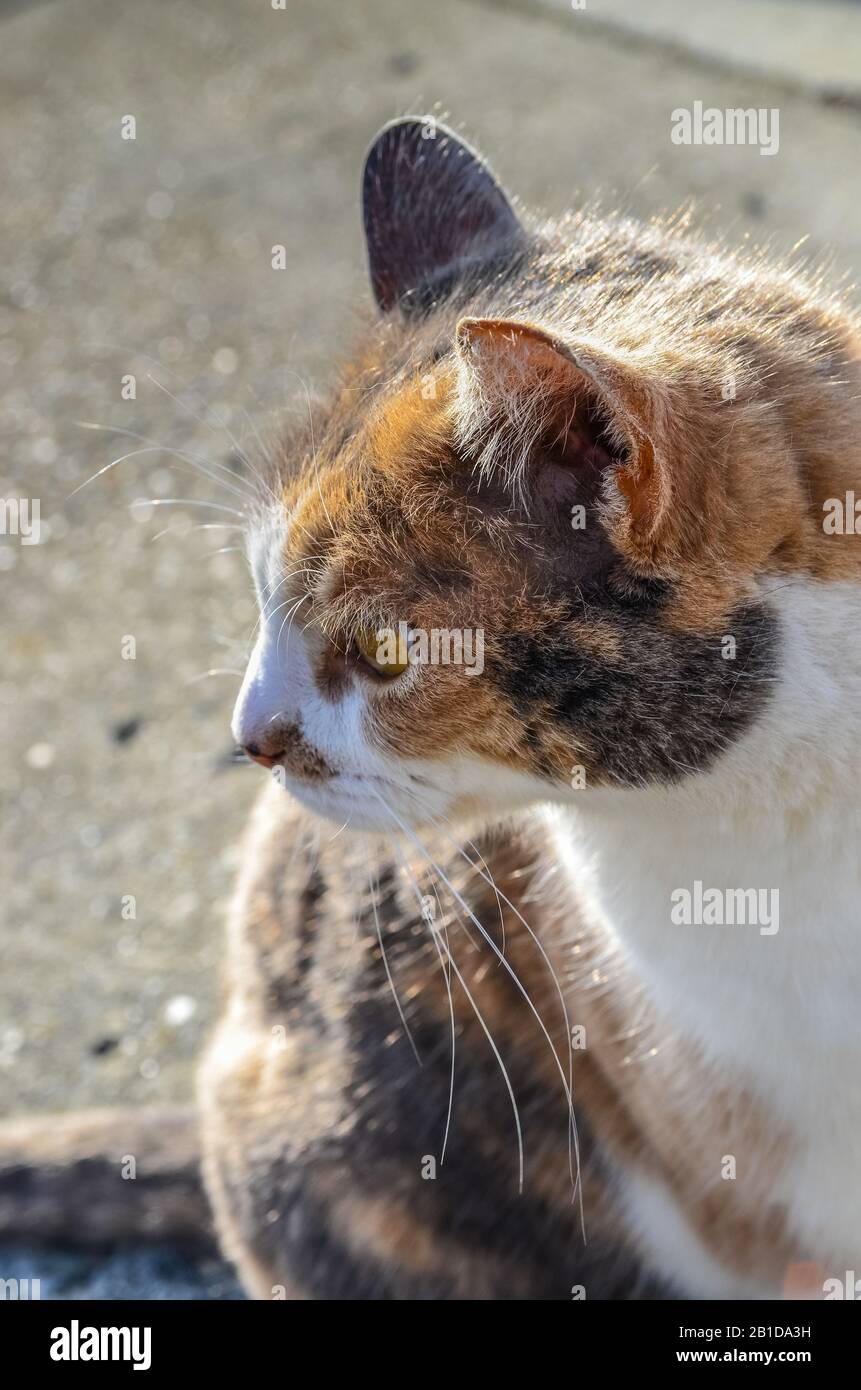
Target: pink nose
{"type": "Point", "coordinates": [267, 756]}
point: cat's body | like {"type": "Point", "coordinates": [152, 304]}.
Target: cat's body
{"type": "Point", "coordinates": [670, 704]}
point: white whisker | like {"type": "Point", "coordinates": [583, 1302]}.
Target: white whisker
{"type": "Point", "coordinates": [215, 671]}
{"type": "Point", "coordinates": [478, 1014]}
{"type": "Point", "coordinates": [446, 974]}
{"type": "Point", "coordinates": [488, 877]}
{"type": "Point", "coordinates": [512, 973]}
{"type": "Point", "coordinates": [208, 467]}
{"type": "Point", "coordinates": [401, 1015]}
{"type": "Point", "coordinates": [184, 502]}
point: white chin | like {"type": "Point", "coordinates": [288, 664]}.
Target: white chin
{"type": "Point", "coordinates": [365, 803]}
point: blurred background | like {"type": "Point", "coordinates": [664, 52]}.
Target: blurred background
{"type": "Point", "coordinates": [139, 296]}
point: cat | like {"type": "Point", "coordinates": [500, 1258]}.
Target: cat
{"type": "Point", "coordinates": [542, 970]}
{"type": "Point", "coordinates": [472, 1045]}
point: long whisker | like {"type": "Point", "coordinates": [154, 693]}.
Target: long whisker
{"type": "Point", "coordinates": [446, 974]}
{"type": "Point", "coordinates": [274, 612]}
{"type": "Point", "coordinates": [207, 424]}
{"type": "Point", "coordinates": [264, 452]}
{"type": "Point", "coordinates": [487, 1033]}
{"type": "Point", "coordinates": [573, 1135]}
{"type": "Point", "coordinates": [215, 671]}
{"type": "Point", "coordinates": [488, 877]}
{"type": "Point", "coordinates": [186, 386]}
{"type": "Point", "coordinates": [200, 526]}
{"type": "Point", "coordinates": [186, 502]}
{"type": "Point", "coordinates": [162, 366]}
{"type": "Point", "coordinates": [291, 615]}
{"type": "Point", "coordinates": [513, 974]}
{"type": "Point", "coordinates": [134, 453]}
{"type": "Point", "coordinates": [265, 613]}
{"type": "Point", "coordinates": [406, 1027]}
{"type": "Point", "coordinates": [208, 467]}
{"type": "Point", "coordinates": [268, 595]}
{"type": "Point", "coordinates": [302, 568]}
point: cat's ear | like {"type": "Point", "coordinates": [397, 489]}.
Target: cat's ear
{"type": "Point", "coordinates": [522, 390]}
{"type": "Point", "coordinates": [432, 211]}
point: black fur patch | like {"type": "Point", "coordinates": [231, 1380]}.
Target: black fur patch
{"type": "Point", "coordinates": [668, 706]}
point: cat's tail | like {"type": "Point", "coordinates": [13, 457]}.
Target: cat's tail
{"type": "Point", "coordinates": [96, 1176]}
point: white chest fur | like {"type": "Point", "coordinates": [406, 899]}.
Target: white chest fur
{"type": "Point", "coordinates": [774, 1001]}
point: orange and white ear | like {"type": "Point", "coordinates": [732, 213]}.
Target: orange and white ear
{"type": "Point", "coordinates": [521, 389]}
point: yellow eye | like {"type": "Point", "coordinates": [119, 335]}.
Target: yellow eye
{"type": "Point", "coordinates": [385, 649]}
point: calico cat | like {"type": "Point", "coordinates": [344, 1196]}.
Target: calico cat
{"type": "Point", "coordinates": [565, 995]}
{"type": "Point", "coordinates": [544, 969]}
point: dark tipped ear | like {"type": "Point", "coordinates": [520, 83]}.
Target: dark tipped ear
{"type": "Point", "coordinates": [432, 211]}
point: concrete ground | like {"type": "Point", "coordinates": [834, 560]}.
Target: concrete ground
{"type": "Point", "coordinates": [151, 258]}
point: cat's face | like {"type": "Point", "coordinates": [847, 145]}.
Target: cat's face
{"type": "Point", "coordinates": [515, 561]}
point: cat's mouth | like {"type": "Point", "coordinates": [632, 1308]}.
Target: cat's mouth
{"type": "Point", "coordinates": [369, 801]}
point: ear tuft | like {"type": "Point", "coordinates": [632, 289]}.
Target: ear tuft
{"type": "Point", "coordinates": [433, 213]}
{"type": "Point", "coordinates": [514, 381]}
{"type": "Point", "coordinates": [507, 354]}
{"type": "Point", "coordinates": [522, 392]}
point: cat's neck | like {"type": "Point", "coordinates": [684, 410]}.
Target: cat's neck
{"type": "Point", "coordinates": [749, 944]}
{"type": "Point", "coordinates": [771, 836]}
{"type": "Point", "coordinates": [770, 1001]}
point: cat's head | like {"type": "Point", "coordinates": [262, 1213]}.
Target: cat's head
{"type": "Point", "coordinates": [527, 547]}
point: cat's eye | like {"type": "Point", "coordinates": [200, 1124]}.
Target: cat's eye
{"type": "Point", "coordinates": [384, 649]}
